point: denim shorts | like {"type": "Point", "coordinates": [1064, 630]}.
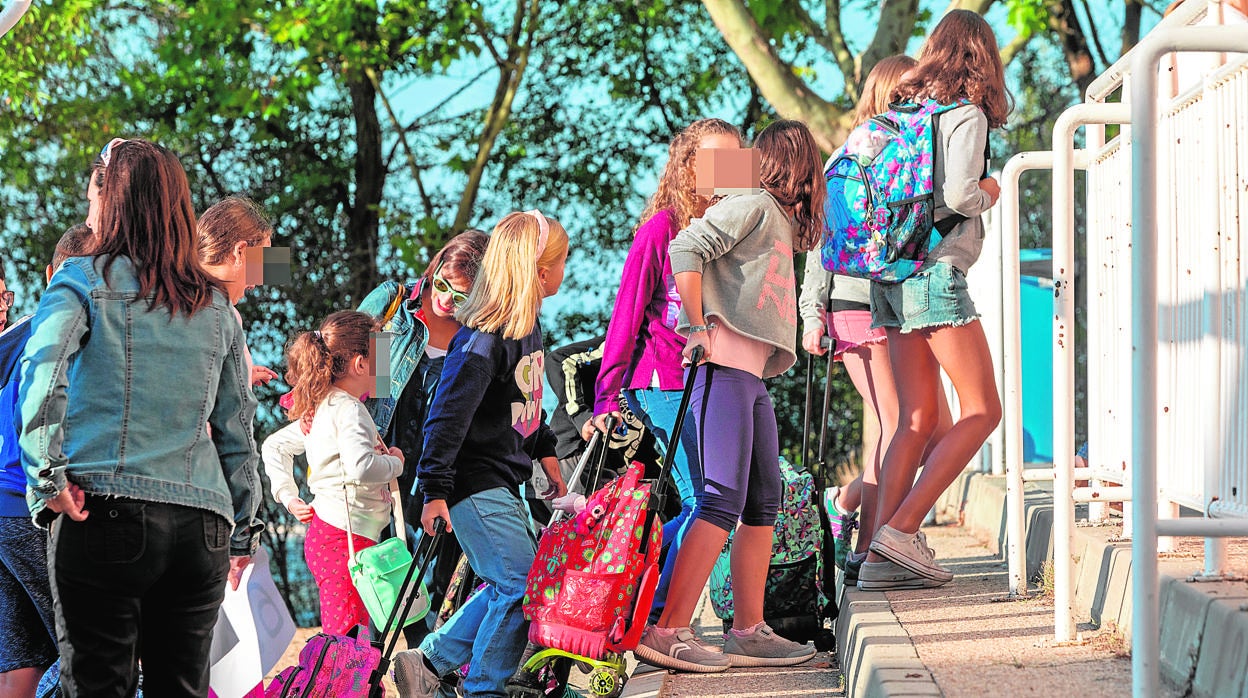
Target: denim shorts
{"type": "Point", "coordinates": [934, 297]}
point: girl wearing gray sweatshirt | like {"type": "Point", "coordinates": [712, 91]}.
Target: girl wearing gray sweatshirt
{"type": "Point", "coordinates": [929, 317]}
{"type": "Point", "coordinates": [734, 272]}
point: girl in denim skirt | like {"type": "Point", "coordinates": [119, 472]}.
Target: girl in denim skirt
{"type": "Point", "coordinates": [863, 351]}
{"type": "Point", "coordinates": [929, 317]}
{"type": "Point", "coordinates": [483, 431]}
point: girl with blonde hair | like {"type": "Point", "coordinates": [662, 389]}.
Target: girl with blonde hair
{"type": "Point", "coordinates": [483, 431]}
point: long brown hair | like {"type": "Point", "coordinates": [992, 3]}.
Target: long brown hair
{"type": "Point", "coordinates": [228, 222]}
{"type": "Point", "coordinates": [960, 60]}
{"type": "Point", "coordinates": [879, 85]}
{"type": "Point", "coordinates": [507, 294]}
{"type": "Point", "coordinates": [147, 216]}
{"type": "Point", "coordinates": [460, 257]}
{"type": "Point", "coordinates": [676, 186]}
{"type": "Point", "coordinates": [314, 360]}
{"type": "Point", "coordinates": [792, 171]}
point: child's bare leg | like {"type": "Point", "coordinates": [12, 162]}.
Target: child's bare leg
{"type": "Point", "coordinates": [751, 556]}
{"type": "Point", "coordinates": [697, 556]}
{"type": "Point", "coordinates": [963, 352]}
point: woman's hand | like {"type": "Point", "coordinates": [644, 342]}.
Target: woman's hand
{"type": "Point", "coordinates": [434, 510]}
{"type": "Point", "coordinates": [238, 563]}
{"type": "Point", "coordinates": [811, 341]}
{"type": "Point", "coordinates": [69, 501]}
{"type": "Point", "coordinates": [991, 187]}
{"type": "Point", "coordinates": [261, 375]}
{"type": "Point", "coordinates": [301, 510]}
{"type": "Point", "coordinates": [397, 453]}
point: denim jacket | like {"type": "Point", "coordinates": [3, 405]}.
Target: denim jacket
{"type": "Point", "coordinates": [114, 397]}
{"type": "Point", "coordinates": [406, 347]}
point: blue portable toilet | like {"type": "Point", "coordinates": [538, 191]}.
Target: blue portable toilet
{"type": "Point", "coordinates": [1036, 305]}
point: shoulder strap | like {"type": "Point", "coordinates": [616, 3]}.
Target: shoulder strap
{"type": "Point", "coordinates": [394, 304]}
{"type": "Point", "coordinates": [400, 525]}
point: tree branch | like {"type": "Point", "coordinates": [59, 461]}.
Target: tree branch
{"type": "Point", "coordinates": [1015, 47]}
{"type": "Point", "coordinates": [775, 78]}
{"type": "Point", "coordinates": [488, 40]}
{"type": "Point", "coordinates": [840, 49]}
{"type": "Point", "coordinates": [511, 72]}
{"type": "Point", "coordinates": [402, 136]}
{"type": "Point", "coordinates": [1065, 25]}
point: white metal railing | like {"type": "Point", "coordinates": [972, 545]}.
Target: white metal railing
{"type": "Point", "coordinates": [1167, 376]}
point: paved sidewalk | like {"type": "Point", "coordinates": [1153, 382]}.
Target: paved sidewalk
{"type": "Point", "coordinates": [818, 677]}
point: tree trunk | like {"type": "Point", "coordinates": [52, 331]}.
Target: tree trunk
{"type": "Point", "coordinates": [363, 226]}
{"type": "Point", "coordinates": [1131, 25]}
{"type": "Point", "coordinates": [1065, 25]}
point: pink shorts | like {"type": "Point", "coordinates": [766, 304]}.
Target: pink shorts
{"type": "Point", "coordinates": [852, 328]}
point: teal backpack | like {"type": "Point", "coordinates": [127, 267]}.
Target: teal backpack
{"type": "Point", "coordinates": [881, 195]}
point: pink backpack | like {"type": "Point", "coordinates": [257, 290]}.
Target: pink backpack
{"type": "Point", "coordinates": [332, 666]}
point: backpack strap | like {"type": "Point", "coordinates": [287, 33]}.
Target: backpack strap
{"type": "Point", "coordinates": [395, 304]}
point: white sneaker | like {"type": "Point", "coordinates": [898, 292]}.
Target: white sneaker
{"type": "Point", "coordinates": [909, 550]}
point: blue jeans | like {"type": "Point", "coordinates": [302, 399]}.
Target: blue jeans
{"type": "Point", "coordinates": [657, 410]}
{"type": "Point", "coordinates": [489, 632]}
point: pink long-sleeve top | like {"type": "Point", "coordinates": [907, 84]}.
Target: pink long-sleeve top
{"type": "Point", "coordinates": [642, 342]}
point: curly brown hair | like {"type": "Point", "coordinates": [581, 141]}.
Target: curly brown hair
{"type": "Point", "coordinates": [314, 360]}
{"type": "Point", "coordinates": [792, 172]}
{"type": "Point", "coordinates": [676, 186]}
{"type": "Point", "coordinates": [960, 60]}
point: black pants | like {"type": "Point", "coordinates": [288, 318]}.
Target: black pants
{"type": "Point", "coordinates": [137, 580]}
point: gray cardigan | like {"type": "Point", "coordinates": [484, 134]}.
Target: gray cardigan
{"type": "Point", "coordinates": [960, 137]}
{"type": "Point", "coordinates": [815, 286]}
{"type": "Point", "coordinates": [743, 247]}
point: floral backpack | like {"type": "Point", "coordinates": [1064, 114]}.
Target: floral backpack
{"type": "Point", "coordinates": [881, 195]}
{"type": "Point", "coordinates": [794, 593]}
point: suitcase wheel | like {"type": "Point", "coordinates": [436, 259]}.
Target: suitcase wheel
{"type": "Point", "coordinates": [607, 683]}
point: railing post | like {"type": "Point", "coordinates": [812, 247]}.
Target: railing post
{"type": "Point", "coordinates": [1146, 611]}
{"type": "Point", "coordinates": [1064, 350]}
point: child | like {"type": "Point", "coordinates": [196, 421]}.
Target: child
{"type": "Point", "coordinates": [346, 459]}
{"type": "Point", "coordinates": [642, 351]}
{"type": "Point", "coordinates": [929, 317]}
{"type": "Point", "coordinates": [847, 320]}
{"type": "Point", "coordinates": [734, 272]}
{"type": "Point", "coordinates": [483, 431]}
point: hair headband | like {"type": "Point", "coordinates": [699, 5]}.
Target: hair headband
{"type": "Point", "coordinates": [543, 228]}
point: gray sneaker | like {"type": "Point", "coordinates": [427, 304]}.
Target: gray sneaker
{"type": "Point", "coordinates": [680, 651]}
{"type": "Point", "coordinates": [909, 550]}
{"type": "Point", "coordinates": [853, 563]}
{"type": "Point", "coordinates": [412, 677]}
{"type": "Point", "coordinates": [886, 575]}
{"type": "Point", "coordinates": [764, 647]}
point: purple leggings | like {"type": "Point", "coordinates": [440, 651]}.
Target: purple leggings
{"type": "Point", "coordinates": [738, 446]}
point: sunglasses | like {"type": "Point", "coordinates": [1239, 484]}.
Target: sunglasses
{"type": "Point", "coordinates": [441, 285]}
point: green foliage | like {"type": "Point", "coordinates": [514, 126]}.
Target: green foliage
{"type": "Point", "coordinates": [1028, 17]}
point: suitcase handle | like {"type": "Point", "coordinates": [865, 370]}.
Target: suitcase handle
{"type": "Point", "coordinates": [658, 495]}
{"type": "Point", "coordinates": [405, 600]}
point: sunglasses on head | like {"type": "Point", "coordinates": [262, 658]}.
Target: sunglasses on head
{"type": "Point", "coordinates": [441, 285]}
{"type": "Point", "coordinates": [106, 153]}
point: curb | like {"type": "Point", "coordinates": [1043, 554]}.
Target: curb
{"type": "Point", "coordinates": [875, 652]}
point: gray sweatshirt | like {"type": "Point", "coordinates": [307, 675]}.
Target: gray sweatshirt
{"type": "Point", "coordinates": [743, 247]}
{"type": "Point", "coordinates": [960, 137]}
{"type": "Point", "coordinates": [815, 287]}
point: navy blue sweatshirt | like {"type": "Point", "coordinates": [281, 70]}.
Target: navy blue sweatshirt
{"type": "Point", "coordinates": [485, 426]}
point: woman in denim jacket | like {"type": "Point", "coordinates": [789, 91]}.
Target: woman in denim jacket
{"type": "Point", "coordinates": [132, 351]}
